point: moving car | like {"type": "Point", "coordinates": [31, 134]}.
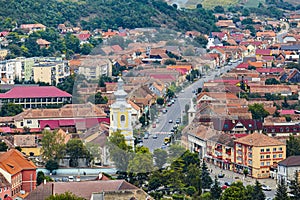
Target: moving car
{"type": "Point", "coordinates": [221, 175]}
{"type": "Point", "coordinates": [170, 121]}
{"type": "Point", "coordinates": [154, 136]}
{"type": "Point", "coordinates": [146, 136]}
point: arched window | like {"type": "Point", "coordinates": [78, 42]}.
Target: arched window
{"type": "Point", "coordinates": [122, 118]}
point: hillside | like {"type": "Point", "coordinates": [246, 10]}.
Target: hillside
{"type": "Point", "coordinates": [91, 14]}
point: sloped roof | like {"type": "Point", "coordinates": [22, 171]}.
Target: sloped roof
{"type": "Point", "coordinates": [34, 92]}
{"type": "Point", "coordinates": [14, 161]}
{"type": "Point", "coordinates": [259, 140]}
{"type": "Point", "coordinates": [290, 161]}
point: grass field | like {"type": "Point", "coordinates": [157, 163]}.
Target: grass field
{"type": "Point", "coordinates": [252, 3]}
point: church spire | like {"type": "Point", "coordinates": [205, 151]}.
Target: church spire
{"type": "Point", "coordinates": [120, 94]}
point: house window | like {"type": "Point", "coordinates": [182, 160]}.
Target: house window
{"type": "Point", "coordinates": [262, 150]}
{"type": "Point", "coordinates": [268, 150]}
{"type": "Point", "coordinates": [262, 163]}
{"type": "Point", "coordinates": [29, 122]}
{"type": "Point", "coordinates": [250, 162]}
{"type": "Point", "coordinates": [267, 156]}
{"type": "Point", "coordinates": [122, 118]}
{"type": "Point", "coordinates": [225, 126]}
{"type": "Point", "coordinates": [22, 123]}
{"type": "Point", "coordinates": [274, 156]}
{"type": "Point", "coordinates": [274, 149]}
{"type": "Point", "coordinates": [262, 157]}
{"type": "Point", "coordinates": [268, 163]}
{"type": "Point", "coordinates": [280, 148]}
{"type": "Point", "coordinates": [280, 155]}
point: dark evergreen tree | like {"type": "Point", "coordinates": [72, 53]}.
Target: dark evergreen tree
{"type": "Point", "coordinates": [205, 178]}
{"type": "Point", "coordinates": [281, 192]}
{"type": "Point", "coordinates": [258, 193]}
{"type": "Point", "coordinates": [216, 190]}
{"type": "Point", "coordinates": [295, 188]}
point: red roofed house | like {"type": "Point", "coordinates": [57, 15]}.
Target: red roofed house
{"type": "Point", "coordinates": [83, 37]}
{"type": "Point", "coordinates": [43, 43]}
{"type": "Point", "coordinates": [262, 52]}
{"type": "Point", "coordinates": [18, 171]}
{"type": "Point", "coordinates": [35, 96]}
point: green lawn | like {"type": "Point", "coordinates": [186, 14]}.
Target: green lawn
{"type": "Point", "coordinates": [252, 3]}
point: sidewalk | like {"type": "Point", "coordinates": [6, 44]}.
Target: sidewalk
{"type": "Point", "coordinates": [239, 177]}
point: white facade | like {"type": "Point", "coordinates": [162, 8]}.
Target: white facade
{"type": "Point", "coordinates": [197, 145]}
{"type": "Point", "coordinates": [93, 68]}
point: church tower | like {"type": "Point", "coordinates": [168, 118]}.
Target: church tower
{"type": "Point", "coordinates": [120, 115]}
{"type": "Point", "coordinates": [191, 112]}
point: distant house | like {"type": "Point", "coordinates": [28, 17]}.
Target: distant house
{"type": "Point", "coordinates": [43, 43]}
{"type": "Point", "coordinates": [30, 28]}
{"type": "Point", "coordinates": [287, 168]}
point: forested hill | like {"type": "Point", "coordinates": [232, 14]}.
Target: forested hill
{"type": "Point", "coordinates": [104, 14]}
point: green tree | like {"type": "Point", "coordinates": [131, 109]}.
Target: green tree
{"type": "Point", "coordinates": [72, 42]}
{"type": "Point", "coordinates": [119, 151]}
{"type": "Point", "coordinates": [65, 196]}
{"type": "Point", "coordinates": [175, 152]}
{"type": "Point", "coordinates": [170, 93]}
{"type": "Point", "coordinates": [53, 146]}
{"type": "Point", "coordinates": [103, 80]}
{"type": "Point", "coordinates": [281, 191]}
{"type": "Point", "coordinates": [40, 177]}
{"type": "Point", "coordinates": [295, 187]}
{"type": "Point", "coordinates": [258, 112]}
{"type": "Point", "coordinates": [160, 157]}
{"type": "Point", "coordinates": [86, 48]}
{"type": "Point", "coordinates": [201, 40]}
{"type": "Point", "coordinates": [95, 151]}
{"type": "Point", "coordinates": [142, 161]}
{"type": "Point", "coordinates": [160, 100]}
{"type": "Point", "coordinates": [193, 176]}
{"type": "Point", "coordinates": [3, 146]}
{"type": "Point", "coordinates": [97, 98]}
{"type": "Point", "coordinates": [236, 191]}
{"type": "Point", "coordinates": [216, 190]}
{"type": "Point", "coordinates": [51, 165]}
{"type": "Point", "coordinates": [257, 193]}
{"type": "Point", "coordinates": [219, 9]}
{"type": "Point", "coordinates": [272, 81]}
{"type": "Point", "coordinates": [10, 109]}
{"type": "Point", "coordinates": [205, 177]}
{"type": "Point", "coordinates": [293, 146]}
{"type": "Point", "coordinates": [76, 149]}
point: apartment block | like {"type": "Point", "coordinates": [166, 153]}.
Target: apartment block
{"type": "Point", "coordinates": [258, 153]}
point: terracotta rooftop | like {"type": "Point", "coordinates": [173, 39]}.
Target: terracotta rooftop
{"type": "Point", "coordinates": [259, 140]}
{"type": "Point", "coordinates": [14, 161]}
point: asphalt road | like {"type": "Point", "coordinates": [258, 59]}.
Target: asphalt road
{"type": "Point", "coordinates": [176, 110]}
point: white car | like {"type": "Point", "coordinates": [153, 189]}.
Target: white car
{"type": "Point", "coordinates": [266, 188]}
{"type": "Point", "coordinates": [170, 121]}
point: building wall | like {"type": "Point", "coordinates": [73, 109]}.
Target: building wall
{"type": "Point", "coordinates": [42, 74]}
{"type": "Point", "coordinates": [262, 160]}
{"type": "Point", "coordinates": [287, 173]}
{"type": "Point", "coordinates": [28, 150]}
{"type": "Point", "coordinates": [122, 195]}
{"type": "Point", "coordinates": [29, 180]}
{"type": "Point", "coordinates": [16, 184]}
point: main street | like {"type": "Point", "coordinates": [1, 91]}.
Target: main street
{"type": "Point", "coordinates": [175, 111]}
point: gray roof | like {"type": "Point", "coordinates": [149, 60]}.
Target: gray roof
{"type": "Point", "coordinates": [290, 161]}
{"type": "Point", "coordinates": [295, 47]}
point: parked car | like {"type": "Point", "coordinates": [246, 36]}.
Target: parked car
{"type": "Point", "coordinates": [227, 183]}
{"type": "Point", "coordinates": [146, 136]}
{"type": "Point", "coordinates": [153, 125]}
{"type": "Point", "coordinates": [170, 121]}
{"type": "Point", "coordinates": [266, 188]}
{"type": "Point", "coordinates": [221, 175]}
{"type": "Point", "coordinates": [224, 187]}
{"type": "Point", "coordinates": [71, 178]}
{"type": "Point", "coordinates": [154, 136]}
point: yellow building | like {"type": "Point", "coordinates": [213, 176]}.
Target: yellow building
{"type": "Point", "coordinates": [3, 53]}
{"type": "Point", "coordinates": [120, 115]}
{"type": "Point", "coordinates": [258, 153]}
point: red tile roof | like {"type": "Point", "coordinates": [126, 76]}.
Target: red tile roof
{"type": "Point", "coordinates": [263, 52]}
{"type": "Point", "coordinates": [270, 70]}
{"type": "Point", "coordinates": [163, 76]}
{"type": "Point", "coordinates": [14, 161]}
{"type": "Point", "coordinates": [34, 92]}
{"type": "Point", "coordinates": [287, 112]}
{"type": "Point", "coordinates": [88, 122]}
{"type": "Point", "coordinates": [259, 140]}
{"type": "Point", "coordinates": [290, 161]}
{"type": "Point", "coordinates": [243, 66]}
